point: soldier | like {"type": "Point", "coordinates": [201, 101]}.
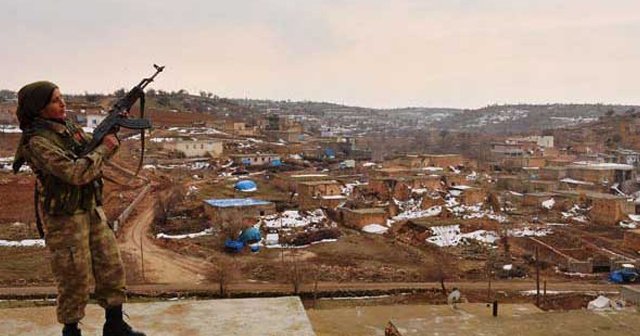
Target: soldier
{"type": "Point", "coordinates": [69, 196]}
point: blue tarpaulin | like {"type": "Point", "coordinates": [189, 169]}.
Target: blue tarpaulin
{"type": "Point", "coordinates": [234, 246]}
{"type": "Point", "coordinates": [275, 163]}
{"type": "Point", "coordinates": [246, 185]}
{"type": "Point", "coordinates": [330, 153]}
{"type": "Point", "coordinates": [250, 235]}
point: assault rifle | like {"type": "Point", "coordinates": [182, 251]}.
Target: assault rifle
{"type": "Point", "coordinates": [118, 115]}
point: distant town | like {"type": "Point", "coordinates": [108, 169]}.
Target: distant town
{"type": "Point", "coordinates": [239, 196]}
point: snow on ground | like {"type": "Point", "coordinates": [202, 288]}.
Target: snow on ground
{"type": "Point", "coordinates": [548, 204]}
{"type": "Point", "coordinates": [348, 188]}
{"type": "Point", "coordinates": [529, 232]}
{"type": "Point", "coordinates": [415, 213]}
{"type": "Point", "coordinates": [198, 131]}
{"type": "Point", "coordinates": [6, 164]}
{"type": "Point", "coordinates": [162, 139]}
{"type": "Point", "coordinates": [471, 211]}
{"type": "Point", "coordinates": [450, 235]}
{"type": "Point", "coordinates": [375, 228]}
{"type": "Point", "coordinates": [473, 176]}
{"type": "Point", "coordinates": [576, 213]}
{"type": "Point", "coordinates": [293, 218]}
{"type": "Point", "coordinates": [198, 165]}
{"type": "Point", "coordinates": [628, 225]}
{"type": "Point", "coordinates": [22, 243]}
{"type": "Point", "coordinates": [206, 232]}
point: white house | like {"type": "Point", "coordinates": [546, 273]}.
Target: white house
{"type": "Point", "coordinates": [196, 148]}
{"type": "Point", "coordinates": [93, 120]}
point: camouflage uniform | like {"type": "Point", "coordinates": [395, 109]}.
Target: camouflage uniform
{"type": "Point", "coordinates": [76, 231]}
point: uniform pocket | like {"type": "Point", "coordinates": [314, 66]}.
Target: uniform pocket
{"type": "Point", "coordinates": [64, 261]}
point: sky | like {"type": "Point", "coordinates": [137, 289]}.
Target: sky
{"type": "Point", "coordinates": [373, 53]}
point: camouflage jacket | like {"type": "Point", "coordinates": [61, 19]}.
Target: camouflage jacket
{"type": "Point", "coordinates": [68, 182]}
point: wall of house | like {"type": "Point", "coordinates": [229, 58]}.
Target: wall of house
{"type": "Point", "coordinates": [222, 217]}
{"type": "Point", "coordinates": [607, 211]}
{"type": "Point", "coordinates": [358, 220]}
{"type": "Point", "coordinates": [632, 239]}
{"type": "Point", "coordinates": [473, 196]}
{"type": "Point", "coordinates": [443, 161]}
{"type": "Point", "coordinates": [199, 148]}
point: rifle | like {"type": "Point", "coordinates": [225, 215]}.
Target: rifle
{"type": "Point", "coordinates": [118, 116]}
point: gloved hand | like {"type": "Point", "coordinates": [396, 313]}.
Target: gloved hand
{"type": "Point", "coordinates": [111, 141]}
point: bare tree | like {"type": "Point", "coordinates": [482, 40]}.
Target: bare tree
{"type": "Point", "coordinates": [225, 272]}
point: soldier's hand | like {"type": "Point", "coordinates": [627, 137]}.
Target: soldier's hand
{"type": "Point", "coordinates": [111, 141]}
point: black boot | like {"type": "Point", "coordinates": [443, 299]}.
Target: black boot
{"type": "Point", "coordinates": [71, 329]}
{"type": "Point", "coordinates": [115, 325]}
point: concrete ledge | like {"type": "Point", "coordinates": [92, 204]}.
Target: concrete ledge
{"type": "Point", "coordinates": [264, 316]}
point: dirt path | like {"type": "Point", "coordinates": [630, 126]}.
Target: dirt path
{"type": "Point", "coordinates": [160, 265]}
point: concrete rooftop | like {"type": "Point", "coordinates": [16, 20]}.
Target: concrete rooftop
{"type": "Point", "coordinates": [260, 316]}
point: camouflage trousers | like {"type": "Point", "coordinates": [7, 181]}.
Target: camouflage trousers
{"type": "Point", "coordinates": [84, 252]}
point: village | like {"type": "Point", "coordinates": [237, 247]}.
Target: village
{"type": "Point", "coordinates": [250, 197]}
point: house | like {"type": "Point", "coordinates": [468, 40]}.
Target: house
{"type": "Point", "coordinates": [231, 211]}
{"type": "Point", "coordinates": [469, 195]}
{"type": "Point", "coordinates": [609, 209]}
{"type": "Point", "coordinates": [603, 174]}
{"type": "Point", "coordinates": [289, 181]}
{"type": "Point", "coordinates": [625, 156]}
{"type": "Point", "coordinates": [359, 218]}
{"type": "Point", "coordinates": [317, 194]}
{"type": "Point", "coordinates": [256, 159]}
{"type": "Point", "coordinates": [93, 120]}
{"type": "Point", "coordinates": [536, 199]}
{"type": "Point", "coordinates": [195, 148]}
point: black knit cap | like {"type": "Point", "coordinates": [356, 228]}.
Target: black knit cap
{"type": "Point", "coordinates": [32, 98]}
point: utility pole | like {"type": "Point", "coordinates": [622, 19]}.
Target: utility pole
{"type": "Point", "coordinates": [142, 260]}
{"type": "Point", "coordinates": [537, 277]}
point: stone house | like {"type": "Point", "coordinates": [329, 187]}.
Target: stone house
{"type": "Point", "coordinates": [195, 148]}
{"type": "Point", "coordinates": [535, 199]}
{"type": "Point", "coordinates": [609, 209]}
{"type": "Point", "coordinates": [542, 186]}
{"type": "Point", "coordinates": [359, 218]}
{"type": "Point", "coordinates": [316, 194]}
{"type": "Point", "coordinates": [392, 187]}
{"type": "Point", "coordinates": [232, 211]}
{"type": "Point", "coordinates": [443, 160]}
{"type": "Point", "coordinates": [605, 174]}
{"type": "Point", "coordinates": [289, 181]}
{"type": "Point", "coordinates": [452, 180]}
{"type": "Point", "coordinates": [469, 195]}
{"type": "Point", "coordinates": [552, 173]}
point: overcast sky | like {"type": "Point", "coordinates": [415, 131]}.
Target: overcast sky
{"type": "Point", "coordinates": [456, 53]}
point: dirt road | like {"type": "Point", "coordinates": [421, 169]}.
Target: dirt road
{"type": "Point", "coordinates": [160, 265]}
